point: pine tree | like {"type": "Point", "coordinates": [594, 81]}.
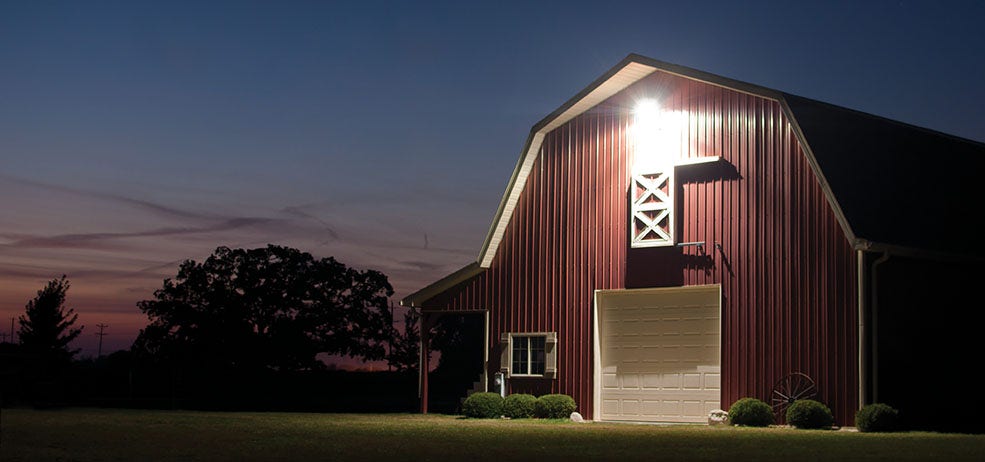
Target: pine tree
{"type": "Point", "coordinates": [47, 327]}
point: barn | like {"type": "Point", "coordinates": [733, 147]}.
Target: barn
{"type": "Point", "coordinates": [671, 241]}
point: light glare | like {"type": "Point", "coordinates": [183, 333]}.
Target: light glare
{"type": "Point", "coordinates": [654, 136]}
{"type": "Point", "coordinates": [647, 113]}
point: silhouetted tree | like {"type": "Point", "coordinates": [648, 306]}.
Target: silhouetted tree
{"type": "Point", "coordinates": [405, 349]}
{"type": "Point", "coordinates": [272, 308]}
{"type": "Point", "coordinates": [46, 327]}
{"type": "Point", "coordinates": [459, 339]}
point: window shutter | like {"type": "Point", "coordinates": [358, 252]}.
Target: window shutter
{"type": "Point", "coordinates": [550, 356]}
{"type": "Point", "coordinates": [504, 353]}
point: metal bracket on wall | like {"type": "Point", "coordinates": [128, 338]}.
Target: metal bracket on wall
{"type": "Point", "coordinates": [699, 244]}
{"type": "Point", "coordinates": [721, 251]}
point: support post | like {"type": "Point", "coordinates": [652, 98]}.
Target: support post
{"type": "Point", "coordinates": [425, 359]}
{"type": "Point", "coordinates": [874, 329]}
{"type": "Point", "coordinates": [485, 351]}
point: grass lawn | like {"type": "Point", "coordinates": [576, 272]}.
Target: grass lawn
{"type": "Point", "coordinates": [98, 434]}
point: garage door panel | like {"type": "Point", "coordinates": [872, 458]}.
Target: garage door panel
{"type": "Point", "coordinates": [630, 407]}
{"type": "Point", "coordinates": [660, 355]}
{"type": "Point", "coordinates": [713, 381]}
{"type": "Point", "coordinates": [662, 408]}
{"type": "Point", "coordinates": [610, 407]}
{"type": "Point", "coordinates": [693, 382]}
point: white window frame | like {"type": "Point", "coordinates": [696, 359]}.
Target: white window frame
{"type": "Point", "coordinates": [507, 340]}
{"type": "Point", "coordinates": [527, 363]}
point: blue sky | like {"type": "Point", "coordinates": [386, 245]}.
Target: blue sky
{"type": "Point", "coordinates": [134, 135]}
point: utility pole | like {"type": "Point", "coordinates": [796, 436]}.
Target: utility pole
{"type": "Point", "coordinates": [11, 329]}
{"type": "Point", "coordinates": [3, 337]}
{"type": "Point", "coordinates": [389, 359]}
{"type": "Point", "coordinates": [101, 334]}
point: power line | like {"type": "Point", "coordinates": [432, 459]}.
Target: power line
{"type": "Point", "coordinates": [101, 334]}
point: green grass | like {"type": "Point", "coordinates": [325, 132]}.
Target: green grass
{"type": "Point", "coordinates": [95, 434]}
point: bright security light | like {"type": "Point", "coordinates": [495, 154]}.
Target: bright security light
{"type": "Point", "coordinates": [651, 136]}
{"type": "Point", "coordinates": [647, 112]}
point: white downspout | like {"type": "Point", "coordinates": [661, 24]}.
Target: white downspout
{"type": "Point", "coordinates": [862, 373]}
{"type": "Point", "coordinates": [875, 325]}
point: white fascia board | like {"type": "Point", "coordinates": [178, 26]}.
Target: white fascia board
{"type": "Point", "coordinates": [629, 74]}
{"type": "Point", "coordinates": [818, 174]}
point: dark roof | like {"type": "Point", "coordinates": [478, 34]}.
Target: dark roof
{"type": "Point", "coordinates": [896, 183]}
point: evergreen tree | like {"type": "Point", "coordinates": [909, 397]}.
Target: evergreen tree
{"type": "Point", "coordinates": [47, 327]}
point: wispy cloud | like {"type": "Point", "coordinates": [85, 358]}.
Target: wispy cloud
{"type": "Point", "coordinates": [98, 240]}
{"type": "Point", "coordinates": [140, 204]}
{"type": "Point", "coordinates": [298, 211]}
{"type": "Point", "coordinates": [116, 249]}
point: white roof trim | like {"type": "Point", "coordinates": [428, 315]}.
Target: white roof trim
{"type": "Point", "coordinates": [629, 74]}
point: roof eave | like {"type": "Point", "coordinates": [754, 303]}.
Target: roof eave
{"type": "Point", "coordinates": [417, 299]}
{"type": "Point", "coordinates": [829, 194]}
{"type": "Point", "coordinates": [866, 245]}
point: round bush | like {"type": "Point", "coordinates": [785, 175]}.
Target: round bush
{"type": "Point", "coordinates": [750, 412]}
{"type": "Point", "coordinates": [554, 406]}
{"type": "Point", "coordinates": [519, 406]}
{"type": "Point", "coordinates": [807, 413]}
{"type": "Point", "coordinates": [877, 418]}
{"type": "Point", "coordinates": [483, 406]}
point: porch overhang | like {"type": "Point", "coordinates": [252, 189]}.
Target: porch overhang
{"type": "Point", "coordinates": [419, 298]}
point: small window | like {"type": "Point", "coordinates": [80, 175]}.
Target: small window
{"type": "Point", "coordinates": [529, 354]}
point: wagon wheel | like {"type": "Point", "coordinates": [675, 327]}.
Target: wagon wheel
{"type": "Point", "coordinates": [790, 388]}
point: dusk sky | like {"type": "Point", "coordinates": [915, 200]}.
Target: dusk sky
{"type": "Point", "coordinates": [136, 135]}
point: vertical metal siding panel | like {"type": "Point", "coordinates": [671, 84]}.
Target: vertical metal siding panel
{"type": "Point", "coordinates": [552, 238]}
{"type": "Point", "coordinates": [541, 275]}
{"type": "Point", "coordinates": [748, 259]}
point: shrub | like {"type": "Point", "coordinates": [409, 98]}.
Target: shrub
{"type": "Point", "coordinates": [519, 406]}
{"type": "Point", "coordinates": [807, 413]}
{"type": "Point", "coordinates": [483, 406]}
{"type": "Point", "coordinates": [877, 418]}
{"type": "Point", "coordinates": [554, 406]}
{"type": "Point", "coordinates": [750, 412]}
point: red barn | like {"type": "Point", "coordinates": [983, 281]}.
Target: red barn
{"type": "Point", "coordinates": [672, 240]}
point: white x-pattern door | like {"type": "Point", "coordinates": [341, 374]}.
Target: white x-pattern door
{"type": "Point", "coordinates": [652, 209]}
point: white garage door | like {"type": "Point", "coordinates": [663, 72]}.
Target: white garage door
{"type": "Point", "coordinates": [659, 354]}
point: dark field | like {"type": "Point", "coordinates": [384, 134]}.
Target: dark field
{"type": "Point", "coordinates": [96, 434]}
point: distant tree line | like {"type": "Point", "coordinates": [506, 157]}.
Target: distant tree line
{"type": "Point", "coordinates": [243, 329]}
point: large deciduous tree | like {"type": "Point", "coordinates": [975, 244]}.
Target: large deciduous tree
{"type": "Point", "coordinates": [47, 327]}
{"type": "Point", "coordinates": [272, 308]}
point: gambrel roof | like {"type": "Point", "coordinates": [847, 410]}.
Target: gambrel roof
{"type": "Point", "coordinates": [899, 186]}
{"type": "Point", "coordinates": [893, 186]}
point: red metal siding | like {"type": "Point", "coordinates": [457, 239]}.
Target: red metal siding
{"type": "Point", "coordinates": [786, 268]}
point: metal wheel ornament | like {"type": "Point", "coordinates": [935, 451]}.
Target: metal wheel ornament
{"type": "Point", "coordinates": [790, 388]}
